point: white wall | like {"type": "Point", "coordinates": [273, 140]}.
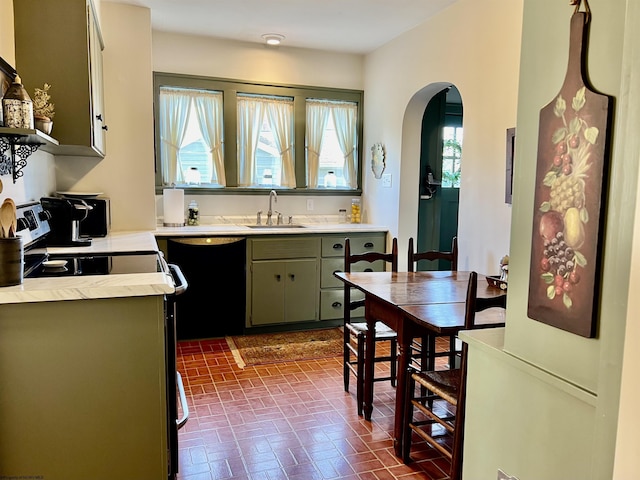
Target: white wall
{"type": "Point", "coordinates": [474, 45]}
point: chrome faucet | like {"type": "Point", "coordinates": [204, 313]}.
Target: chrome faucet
{"type": "Point", "coordinates": [272, 196]}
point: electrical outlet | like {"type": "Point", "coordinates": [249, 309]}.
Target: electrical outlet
{"type": "Point", "coordinates": [504, 476]}
{"type": "Point", "coordinates": [386, 180]}
{"type": "Point", "coordinates": [309, 205]}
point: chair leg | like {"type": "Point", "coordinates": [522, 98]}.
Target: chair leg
{"type": "Point", "coordinates": [394, 361]}
{"type": "Point", "coordinates": [346, 359]}
{"type": "Point", "coordinates": [431, 360]}
{"type": "Point", "coordinates": [360, 370]}
{"type": "Point", "coordinates": [452, 351]}
{"type": "Point", "coordinates": [408, 417]}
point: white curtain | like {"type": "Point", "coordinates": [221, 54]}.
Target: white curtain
{"type": "Point", "coordinates": [174, 110]}
{"type": "Point", "coordinates": [280, 114]}
{"type": "Point", "coordinates": [317, 115]}
{"type": "Point", "coordinates": [344, 119]}
{"type": "Point", "coordinates": [209, 111]}
{"type": "Point", "coordinates": [250, 115]}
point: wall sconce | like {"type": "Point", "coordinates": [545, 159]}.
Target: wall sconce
{"type": "Point", "coordinates": [273, 39]}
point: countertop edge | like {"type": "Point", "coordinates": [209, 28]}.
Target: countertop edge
{"type": "Point", "coordinates": [248, 231]}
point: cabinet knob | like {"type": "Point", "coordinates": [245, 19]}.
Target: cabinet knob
{"type": "Point", "coordinates": [336, 304]}
{"type": "Point", "coordinates": [293, 277]}
{"type": "Point", "coordinates": [99, 116]}
{"type": "Point", "coordinates": [337, 246]}
{"type": "Point", "coordinates": [368, 245]}
{"type": "Point", "coordinates": [278, 278]}
{"type": "Point", "coordinates": [105, 128]}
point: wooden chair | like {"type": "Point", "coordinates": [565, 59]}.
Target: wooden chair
{"type": "Point", "coordinates": [433, 255]}
{"type": "Point", "coordinates": [355, 333]}
{"type": "Point", "coordinates": [440, 419]}
{"type": "Point", "coordinates": [429, 354]}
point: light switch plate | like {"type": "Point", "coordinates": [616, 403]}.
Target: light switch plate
{"type": "Point", "coordinates": [309, 205]}
{"type": "Point", "coordinates": [386, 180]}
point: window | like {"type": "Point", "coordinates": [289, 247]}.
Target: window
{"type": "Point", "coordinates": [265, 142]}
{"type": "Point", "coordinates": [331, 144]}
{"type": "Point", "coordinates": [451, 153]}
{"type": "Point", "coordinates": [191, 137]}
{"type": "Point", "coordinates": [237, 135]}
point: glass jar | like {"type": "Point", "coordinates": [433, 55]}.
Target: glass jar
{"type": "Point", "coordinates": [330, 180]}
{"type": "Point", "coordinates": [356, 211]}
{"type": "Point", "coordinates": [192, 176]}
{"type": "Point", "coordinates": [193, 216]}
{"type": "Point", "coordinates": [342, 215]}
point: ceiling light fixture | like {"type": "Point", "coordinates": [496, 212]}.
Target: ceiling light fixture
{"type": "Point", "coordinates": [273, 39]}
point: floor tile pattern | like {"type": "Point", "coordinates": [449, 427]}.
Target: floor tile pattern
{"type": "Point", "coordinates": [286, 421]}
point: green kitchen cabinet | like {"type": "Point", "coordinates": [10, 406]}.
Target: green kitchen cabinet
{"type": "Point", "coordinates": [332, 260]}
{"type": "Point", "coordinates": [284, 291]}
{"type": "Point", "coordinates": [58, 42]}
{"type": "Point", "coordinates": [282, 285]}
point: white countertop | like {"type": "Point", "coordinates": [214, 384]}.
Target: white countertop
{"type": "Point", "coordinates": [51, 289]}
{"type": "Point", "coordinates": [246, 230]}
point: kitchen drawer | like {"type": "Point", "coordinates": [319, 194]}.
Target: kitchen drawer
{"type": "Point", "coordinates": [331, 304]}
{"type": "Point", "coordinates": [336, 264]}
{"type": "Point", "coordinates": [333, 246]}
{"type": "Point", "coordinates": [282, 248]}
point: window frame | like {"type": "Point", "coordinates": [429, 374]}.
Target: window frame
{"type": "Point", "coordinates": [229, 89]}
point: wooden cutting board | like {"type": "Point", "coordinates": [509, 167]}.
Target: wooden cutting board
{"type": "Point", "coordinates": [573, 148]}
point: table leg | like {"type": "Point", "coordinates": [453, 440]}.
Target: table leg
{"type": "Point", "coordinates": [369, 356]}
{"type": "Point", "coordinates": [405, 337]}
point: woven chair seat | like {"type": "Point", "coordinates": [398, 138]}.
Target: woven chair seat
{"type": "Point", "coordinates": [382, 331]}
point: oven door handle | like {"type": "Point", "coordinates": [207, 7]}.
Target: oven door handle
{"type": "Point", "coordinates": [183, 402]}
{"type": "Point", "coordinates": [178, 278]}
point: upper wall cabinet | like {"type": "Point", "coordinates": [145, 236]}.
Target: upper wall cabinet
{"type": "Point", "coordinates": [59, 42]}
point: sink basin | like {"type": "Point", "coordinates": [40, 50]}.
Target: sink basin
{"type": "Point", "coordinates": [284, 225]}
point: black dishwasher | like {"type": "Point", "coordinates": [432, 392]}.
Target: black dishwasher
{"type": "Point", "coordinates": [214, 304]}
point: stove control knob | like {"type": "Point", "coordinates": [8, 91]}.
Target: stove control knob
{"type": "Point", "coordinates": [44, 215]}
{"type": "Point", "coordinates": [22, 223]}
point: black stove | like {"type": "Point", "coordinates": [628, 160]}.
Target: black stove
{"type": "Point", "coordinates": [35, 227]}
{"type": "Point", "coordinates": [62, 265]}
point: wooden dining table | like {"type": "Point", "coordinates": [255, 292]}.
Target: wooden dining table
{"type": "Point", "coordinates": [414, 304]}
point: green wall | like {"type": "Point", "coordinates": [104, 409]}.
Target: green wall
{"type": "Point", "coordinates": [538, 431]}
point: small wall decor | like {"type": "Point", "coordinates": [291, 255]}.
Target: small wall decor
{"type": "Point", "coordinates": [573, 146]}
{"type": "Point", "coordinates": [377, 160]}
{"type": "Point", "coordinates": [511, 149]}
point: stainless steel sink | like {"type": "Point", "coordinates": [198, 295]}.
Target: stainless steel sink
{"type": "Point", "coordinates": [284, 225]}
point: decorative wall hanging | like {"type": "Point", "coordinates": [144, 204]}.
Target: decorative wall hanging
{"type": "Point", "coordinates": [573, 147]}
{"type": "Point", "coordinates": [377, 160]}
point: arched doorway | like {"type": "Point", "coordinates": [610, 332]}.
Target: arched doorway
{"type": "Point", "coordinates": [439, 191]}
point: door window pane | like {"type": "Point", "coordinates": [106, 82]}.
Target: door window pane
{"type": "Point", "coordinates": [451, 153]}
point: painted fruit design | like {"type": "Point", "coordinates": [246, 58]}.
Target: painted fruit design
{"type": "Point", "coordinates": [564, 212]}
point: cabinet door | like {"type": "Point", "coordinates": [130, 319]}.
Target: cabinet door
{"type": "Point", "coordinates": [98, 128]}
{"type": "Point", "coordinates": [57, 42]}
{"type": "Point", "coordinates": [267, 292]}
{"type": "Point", "coordinates": [301, 291]}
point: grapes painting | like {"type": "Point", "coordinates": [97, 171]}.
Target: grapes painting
{"type": "Point", "coordinates": [573, 137]}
